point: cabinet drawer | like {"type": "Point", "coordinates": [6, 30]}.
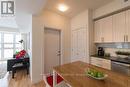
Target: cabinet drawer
{"type": "Point", "coordinates": [107, 65]}
{"type": "Point", "coordinates": [104, 63]}
{"type": "Point", "coordinates": [96, 59]}
{"type": "Point", "coordinates": [96, 63]}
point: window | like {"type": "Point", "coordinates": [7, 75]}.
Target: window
{"type": "Point", "coordinates": [9, 44]}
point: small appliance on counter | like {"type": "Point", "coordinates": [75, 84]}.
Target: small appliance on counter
{"type": "Point", "coordinates": [101, 51]}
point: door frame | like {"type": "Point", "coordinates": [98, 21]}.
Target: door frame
{"type": "Point", "coordinates": [61, 45]}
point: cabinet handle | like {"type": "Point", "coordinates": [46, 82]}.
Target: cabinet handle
{"type": "Point", "coordinates": [124, 38]}
{"type": "Point", "coordinates": [127, 38]}
{"type": "Point", "coordinates": [102, 39]}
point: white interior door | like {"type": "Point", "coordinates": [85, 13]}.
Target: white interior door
{"type": "Point", "coordinates": [78, 45]}
{"type": "Point", "coordinates": [52, 49]}
{"type": "Point", "coordinates": [82, 44]}
{"type": "Point", "coordinates": [74, 45]}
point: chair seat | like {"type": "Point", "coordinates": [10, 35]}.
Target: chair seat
{"type": "Point", "coordinates": [62, 84]}
{"type": "Point", "coordinates": [18, 65]}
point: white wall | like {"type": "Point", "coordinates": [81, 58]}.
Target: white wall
{"type": "Point", "coordinates": [80, 20]}
{"type": "Point", "coordinates": [24, 21]}
{"type": "Point", "coordinates": [84, 19]}
{"type": "Point", "coordinates": [111, 7]}
{"type": "Point", "coordinates": [53, 20]}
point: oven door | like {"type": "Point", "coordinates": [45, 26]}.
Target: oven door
{"type": "Point", "coordinates": [121, 68]}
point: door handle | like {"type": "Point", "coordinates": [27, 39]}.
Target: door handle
{"type": "Point", "coordinates": [59, 53]}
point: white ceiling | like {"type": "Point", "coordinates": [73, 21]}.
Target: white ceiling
{"type": "Point", "coordinates": [75, 6]}
{"type": "Point", "coordinates": [30, 6]}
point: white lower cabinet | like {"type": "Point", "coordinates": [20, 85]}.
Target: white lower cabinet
{"type": "Point", "coordinates": [104, 63]}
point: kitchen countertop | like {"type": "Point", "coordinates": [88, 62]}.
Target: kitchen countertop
{"type": "Point", "coordinates": [116, 59]}
{"type": "Point", "coordinates": [74, 75]}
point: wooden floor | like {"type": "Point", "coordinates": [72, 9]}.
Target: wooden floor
{"type": "Point", "coordinates": [21, 80]}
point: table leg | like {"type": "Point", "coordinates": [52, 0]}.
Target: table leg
{"type": "Point", "coordinates": [54, 78]}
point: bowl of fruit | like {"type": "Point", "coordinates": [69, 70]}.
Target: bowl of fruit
{"type": "Point", "coordinates": [96, 74]}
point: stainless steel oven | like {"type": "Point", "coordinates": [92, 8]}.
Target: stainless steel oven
{"type": "Point", "coordinates": [121, 67]}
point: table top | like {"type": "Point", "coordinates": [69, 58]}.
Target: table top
{"type": "Point", "coordinates": [74, 74]}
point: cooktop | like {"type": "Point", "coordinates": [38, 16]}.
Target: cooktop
{"type": "Point", "coordinates": [121, 60]}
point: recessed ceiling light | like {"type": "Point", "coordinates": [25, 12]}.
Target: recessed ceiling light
{"type": "Point", "coordinates": [62, 7]}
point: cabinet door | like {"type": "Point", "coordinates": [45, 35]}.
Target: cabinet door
{"type": "Point", "coordinates": [119, 28]}
{"type": "Point", "coordinates": [74, 45]}
{"type": "Point", "coordinates": [106, 64]}
{"type": "Point", "coordinates": [97, 32]}
{"type": "Point", "coordinates": [128, 26]}
{"type": "Point", "coordinates": [106, 30]}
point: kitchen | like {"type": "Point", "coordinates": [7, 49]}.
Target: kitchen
{"type": "Point", "coordinates": [111, 48]}
{"type": "Point", "coordinates": [112, 33]}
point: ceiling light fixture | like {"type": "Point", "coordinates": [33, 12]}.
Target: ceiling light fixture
{"type": "Point", "coordinates": [62, 7]}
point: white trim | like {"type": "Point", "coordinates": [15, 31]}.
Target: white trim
{"type": "Point", "coordinates": [42, 52]}
{"type": "Point", "coordinates": [61, 44]}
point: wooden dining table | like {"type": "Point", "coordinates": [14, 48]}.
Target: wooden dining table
{"type": "Point", "coordinates": [74, 74]}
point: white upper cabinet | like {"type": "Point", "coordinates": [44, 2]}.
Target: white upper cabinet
{"type": "Point", "coordinates": [107, 29]}
{"type": "Point", "coordinates": [115, 28]}
{"type": "Point", "coordinates": [97, 31]}
{"type": "Point", "coordinates": [119, 27]}
{"type": "Point", "coordinates": [128, 26]}
{"type": "Point", "coordinates": [103, 30]}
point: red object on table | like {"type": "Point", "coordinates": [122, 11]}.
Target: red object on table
{"type": "Point", "coordinates": [21, 54]}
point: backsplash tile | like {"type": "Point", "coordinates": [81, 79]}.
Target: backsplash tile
{"type": "Point", "coordinates": [113, 47]}
{"type": "Point", "coordinates": [113, 50]}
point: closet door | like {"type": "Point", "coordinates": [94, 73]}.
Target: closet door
{"type": "Point", "coordinates": [79, 45]}
{"type": "Point", "coordinates": [82, 44]}
{"type": "Point", "coordinates": [128, 26]}
{"type": "Point", "coordinates": [119, 27]}
{"type": "Point", "coordinates": [74, 51]}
